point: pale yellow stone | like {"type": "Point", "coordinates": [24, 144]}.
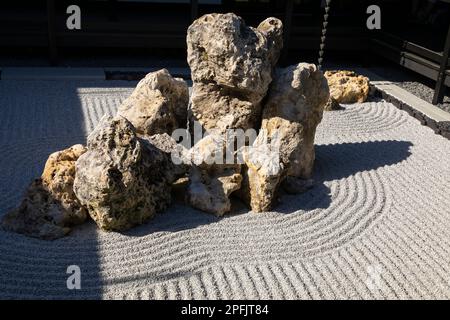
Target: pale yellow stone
{"type": "Point", "coordinates": [347, 86]}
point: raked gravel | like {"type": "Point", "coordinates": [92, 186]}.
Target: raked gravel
{"type": "Point", "coordinates": [376, 224]}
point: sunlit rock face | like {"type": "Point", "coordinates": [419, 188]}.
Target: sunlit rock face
{"type": "Point", "coordinates": [231, 69]}
{"type": "Point", "coordinates": [158, 104]}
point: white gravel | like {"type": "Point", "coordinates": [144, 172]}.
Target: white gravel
{"type": "Point", "coordinates": [376, 225]}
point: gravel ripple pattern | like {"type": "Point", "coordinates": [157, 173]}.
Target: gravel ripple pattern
{"type": "Point", "coordinates": [376, 225]}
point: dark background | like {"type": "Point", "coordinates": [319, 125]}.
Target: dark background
{"type": "Point", "coordinates": [37, 29]}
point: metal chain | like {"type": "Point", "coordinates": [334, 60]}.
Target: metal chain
{"type": "Point", "coordinates": [324, 34]}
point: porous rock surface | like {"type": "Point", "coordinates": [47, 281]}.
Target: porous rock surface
{"type": "Point", "coordinates": [231, 68]}
{"type": "Point", "coordinates": [122, 179]}
{"type": "Point", "coordinates": [158, 104]}
{"type": "Point", "coordinates": [49, 207]}
{"type": "Point", "coordinates": [346, 87]}
{"type": "Point", "coordinates": [211, 179]}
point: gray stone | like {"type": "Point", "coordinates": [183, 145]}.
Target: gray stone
{"type": "Point", "coordinates": [291, 114]}
{"type": "Point", "coordinates": [123, 180]}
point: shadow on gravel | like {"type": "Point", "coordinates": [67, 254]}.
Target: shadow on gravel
{"type": "Point", "coordinates": [338, 161]}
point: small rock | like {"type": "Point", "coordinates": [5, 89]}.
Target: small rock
{"type": "Point", "coordinates": [50, 207]}
{"type": "Point", "coordinates": [158, 104]}
{"type": "Point", "coordinates": [332, 105]}
{"type": "Point", "coordinates": [292, 112]}
{"type": "Point", "coordinates": [347, 86]}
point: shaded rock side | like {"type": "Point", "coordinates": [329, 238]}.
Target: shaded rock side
{"type": "Point", "coordinates": [50, 208]}
{"type": "Point", "coordinates": [293, 110]}
{"type": "Point", "coordinates": [122, 179]}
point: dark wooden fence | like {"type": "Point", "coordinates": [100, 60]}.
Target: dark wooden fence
{"type": "Point", "coordinates": [160, 26]}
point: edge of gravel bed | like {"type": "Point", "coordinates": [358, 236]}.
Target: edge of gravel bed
{"type": "Point", "coordinates": [439, 127]}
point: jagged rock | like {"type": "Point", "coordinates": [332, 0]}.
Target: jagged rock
{"type": "Point", "coordinates": [209, 189]}
{"type": "Point", "coordinates": [158, 104]}
{"type": "Point", "coordinates": [211, 179]}
{"type": "Point", "coordinates": [50, 207]}
{"type": "Point", "coordinates": [224, 51]}
{"type": "Point", "coordinates": [263, 173]}
{"type": "Point", "coordinates": [58, 177]}
{"type": "Point", "coordinates": [231, 66]}
{"type": "Point", "coordinates": [122, 179]}
{"type": "Point", "coordinates": [347, 86]}
{"type": "Point", "coordinates": [332, 105]}
{"type": "Point", "coordinates": [272, 28]}
{"type": "Point", "coordinates": [293, 110]}
{"type": "Point", "coordinates": [177, 153]}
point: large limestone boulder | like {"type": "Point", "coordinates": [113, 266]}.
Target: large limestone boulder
{"type": "Point", "coordinates": [285, 144]}
{"type": "Point", "coordinates": [122, 179]}
{"type": "Point", "coordinates": [272, 28]}
{"type": "Point", "coordinates": [231, 68]}
{"type": "Point", "coordinates": [158, 104]}
{"type": "Point", "coordinates": [50, 207]}
{"type": "Point", "coordinates": [346, 87]}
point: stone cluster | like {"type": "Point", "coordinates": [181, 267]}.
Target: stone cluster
{"type": "Point", "coordinates": [126, 173]}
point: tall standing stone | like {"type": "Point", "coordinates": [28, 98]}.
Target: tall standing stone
{"type": "Point", "coordinates": [291, 114]}
{"type": "Point", "coordinates": [231, 67]}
